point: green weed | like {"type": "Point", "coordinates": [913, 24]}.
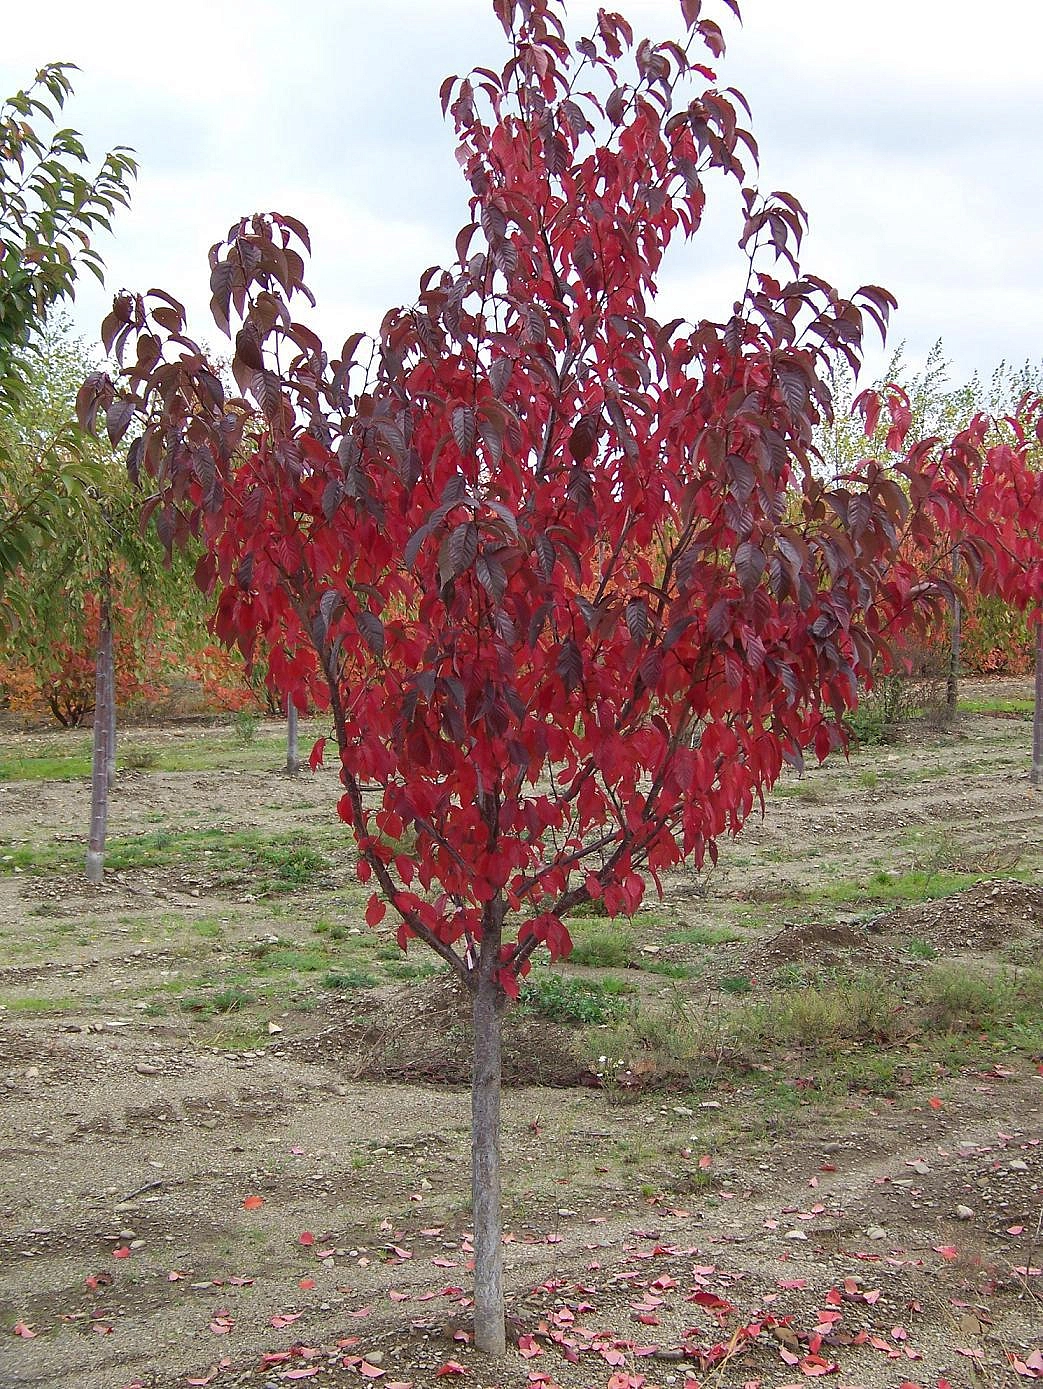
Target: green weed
{"type": "Point", "coordinates": [607, 947]}
{"type": "Point", "coordinates": [348, 979]}
{"type": "Point", "coordinates": [561, 998]}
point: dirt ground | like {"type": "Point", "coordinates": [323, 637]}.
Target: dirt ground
{"type": "Point", "coordinates": [186, 1199]}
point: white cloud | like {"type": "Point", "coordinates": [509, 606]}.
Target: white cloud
{"type": "Point", "coordinates": [907, 129]}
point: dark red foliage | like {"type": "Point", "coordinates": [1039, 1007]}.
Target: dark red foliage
{"type": "Point", "coordinates": [566, 578]}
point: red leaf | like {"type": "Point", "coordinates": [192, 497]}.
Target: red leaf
{"type": "Point", "coordinates": [306, 1238]}
{"type": "Point", "coordinates": [123, 1252]}
{"type": "Point", "coordinates": [376, 910]}
{"type": "Point", "coordinates": [26, 1332]}
{"type": "Point", "coordinates": [370, 1371]}
{"type": "Point", "coordinates": [451, 1367]}
{"type": "Point", "coordinates": [253, 1203]}
{"type": "Point", "coordinates": [315, 759]}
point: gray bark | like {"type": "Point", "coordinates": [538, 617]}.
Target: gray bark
{"type": "Point", "coordinates": [100, 763]}
{"type": "Point", "coordinates": [489, 1327]}
{"type": "Point", "coordinates": [952, 682]}
{"type": "Point", "coordinates": [1037, 715]}
{"type": "Point", "coordinates": [293, 765]}
{"type": "Point", "coordinates": [110, 751]}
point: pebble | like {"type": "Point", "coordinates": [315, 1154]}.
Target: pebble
{"type": "Point", "coordinates": [964, 1213]}
{"type": "Point", "coordinates": [876, 1232]}
{"type": "Point", "coordinates": [1018, 1166]}
{"type": "Point", "coordinates": [146, 1068]}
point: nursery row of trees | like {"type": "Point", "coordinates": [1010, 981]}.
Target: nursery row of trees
{"type": "Point", "coordinates": [161, 639]}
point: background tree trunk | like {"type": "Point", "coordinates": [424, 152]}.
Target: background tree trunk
{"type": "Point", "coordinates": [489, 1329]}
{"type": "Point", "coordinates": [952, 680]}
{"type": "Point", "coordinates": [110, 751]}
{"type": "Point", "coordinates": [103, 697]}
{"type": "Point", "coordinates": [293, 765]}
{"type": "Point", "coordinates": [1037, 716]}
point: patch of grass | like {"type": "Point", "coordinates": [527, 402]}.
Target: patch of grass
{"type": "Point", "coordinates": [246, 725]}
{"type": "Point", "coordinates": [36, 1005]}
{"type": "Point", "coordinates": [602, 947]}
{"type": "Point", "coordinates": [276, 863]}
{"type": "Point", "coordinates": [955, 998]}
{"type": "Point", "coordinates": [996, 705]}
{"type": "Point", "coordinates": [561, 998]}
{"type": "Point", "coordinates": [407, 969]}
{"type": "Point", "coordinates": [669, 969]}
{"type": "Point", "coordinates": [226, 1000]}
{"type": "Point", "coordinates": [736, 983]}
{"type": "Point", "coordinates": [293, 866]}
{"type": "Point", "coordinates": [349, 979]}
{"type": "Point", "coordinates": [808, 791]}
{"type": "Point", "coordinates": [921, 949]}
{"type": "Point", "coordinates": [855, 1011]}
{"type": "Point", "coordinates": [918, 885]}
{"type": "Point", "coordinates": [47, 764]}
{"type": "Point", "coordinates": [139, 759]}
{"type": "Point", "coordinates": [209, 930]}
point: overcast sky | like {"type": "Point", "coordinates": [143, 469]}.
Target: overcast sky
{"type": "Point", "coordinates": [909, 129]}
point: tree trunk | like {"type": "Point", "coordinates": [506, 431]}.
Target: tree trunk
{"type": "Point", "coordinates": [1037, 716]}
{"type": "Point", "coordinates": [489, 1329]}
{"type": "Point", "coordinates": [952, 682]}
{"type": "Point", "coordinates": [102, 726]}
{"type": "Point", "coordinates": [293, 765]}
{"type": "Point", "coordinates": [110, 751]}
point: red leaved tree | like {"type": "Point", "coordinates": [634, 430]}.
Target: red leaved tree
{"type": "Point", "coordinates": [565, 577]}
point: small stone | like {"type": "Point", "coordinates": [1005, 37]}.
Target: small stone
{"type": "Point", "coordinates": [1018, 1166]}
{"type": "Point", "coordinates": [375, 1357]}
{"type": "Point", "coordinates": [964, 1213]}
{"type": "Point", "coordinates": [146, 1068]}
{"type": "Point", "coordinates": [876, 1232]}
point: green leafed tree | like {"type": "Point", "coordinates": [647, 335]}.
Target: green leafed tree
{"type": "Point", "coordinates": [53, 204]}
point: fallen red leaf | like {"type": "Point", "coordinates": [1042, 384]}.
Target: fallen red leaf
{"type": "Point", "coordinates": [26, 1332]}
{"type": "Point", "coordinates": [306, 1238]}
{"type": "Point", "coordinates": [123, 1252]}
{"type": "Point", "coordinates": [935, 1102]}
{"type": "Point", "coordinates": [947, 1251]}
{"type": "Point", "coordinates": [252, 1203]}
{"type": "Point", "coordinates": [370, 1371]}
{"type": "Point", "coordinates": [451, 1367]}
{"type": "Point", "coordinates": [307, 1284]}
